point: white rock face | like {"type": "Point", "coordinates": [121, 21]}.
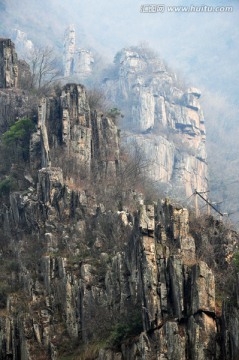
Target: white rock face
{"type": "Point", "coordinates": [77, 62]}
{"type": "Point", "coordinates": [83, 63]}
{"type": "Point", "coordinates": [69, 50]}
{"type": "Point", "coordinates": [24, 46]}
{"type": "Point", "coordinates": [162, 118]}
{"type": "Point", "coordinates": [8, 64]}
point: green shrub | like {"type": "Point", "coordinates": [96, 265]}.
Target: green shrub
{"type": "Point", "coordinates": [126, 328]}
{"type": "Point", "coordinates": [16, 139]}
{"type": "Point", "coordinates": [236, 261]}
{"type": "Point", "coordinates": [114, 113]}
{"type": "Point", "coordinates": [7, 185]}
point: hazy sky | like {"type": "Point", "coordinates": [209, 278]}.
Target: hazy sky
{"type": "Point", "coordinates": [202, 45]}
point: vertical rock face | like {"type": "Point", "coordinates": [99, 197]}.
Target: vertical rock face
{"type": "Point", "coordinates": [24, 74]}
{"type": "Point", "coordinates": [230, 325]}
{"type": "Point", "coordinates": [76, 127]}
{"type": "Point", "coordinates": [112, 285]}
{"type": "Point", "coordinates": [69, 50]}
{"type": "Point", "coordinates": [167, 122]}
{"type": "Point", "coordinates": [82, 139]}
{"type": "Point", "coordinates": [77, 62]}
{"type": "Point", "coordinates": [87, 298]}
{"type": "Point", "coordinates": [128, 283]}
{"type": "Point", "coordinates": [8, 64]}
{"type": "Point", "coordinates": [14, 73]}
{"type": "Point", "coordinates": [83, 63]}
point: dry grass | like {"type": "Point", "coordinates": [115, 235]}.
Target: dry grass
{"type": "Point", "coordinates": [189, 261]}
{"type": "Point", "coordinates": [4, 313]}
{"type": "Point", "coordinates": [88, 352]}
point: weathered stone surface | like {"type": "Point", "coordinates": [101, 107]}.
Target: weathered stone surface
{"type": "Point", "coordinates": [171, 342]}
{"type": "Point", "coordinates": [67, 130]}
{"type": "Point", "coordinates": [105, 147]}
{"type": "Point", "coordinates": [202, 337]}
{"type": "Point", "coordinates": [24, 74]}
{"type": "Point", "coordinates": [50, 184]}
{"type": "Point", "coordinates": [202, 289]}
{"type": "Point", "coordinates": [164, 121]}
{"type": "Point", "coordinates": [146, 219]}
{"type": "Point", "coordinates": [84, 61]}
{"type": "Point", "coordinates": [116, 283]}
{"type": "Point", "coordinates": [91, 293]}
{"type": "Point", "coordinates": [83, 278]}
{"type": "Point", "coordinates": [139, 349]}
{"type": "Point", "coordinates": [109, 355]}
{"type": "Point", "coordinates": [230, 325]}
{"type": "Point", "coordinates": [8, 64]}
{"type": "Point", "coordinates": [151, 304]}
{"type": "Point", "coordinates": [69, 50]}
{"type": "Point", "coordinates": [174, 224]}
{"type": "Point", "coordinates": [45, 149]}
{"type": "Point", "coordinates": [191, 99]}
{"type": "Point", "coordinates": [77, 62]}
{"type": "Point", "coordinates": [176, 286]}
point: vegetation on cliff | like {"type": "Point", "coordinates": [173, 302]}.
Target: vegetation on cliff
{"type": "Point", "coordinates": [94, 263]}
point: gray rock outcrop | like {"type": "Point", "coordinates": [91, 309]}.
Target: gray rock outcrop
{"type": "Point", "coordinates": [80, 279]}
{"type": "Point", "coordinates": [76, 62]}
{"type": "Point", "coordinates": [162, 118]}
{"type": "Point", "coordinates": [151, 280]}
{"type": "Point", "coordinates": [8, 64]}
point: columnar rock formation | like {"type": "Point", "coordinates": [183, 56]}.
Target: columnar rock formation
{"type": "Point", "coordinates": [77, 279]}
{"type": "Point", "coordinates": [165, 121]}
{"type": "Point", "coordinates": [96, 288]}
{"type": "Point", "coordinates": [14, 73]}
{"type": "Point", "coordinates": [83, 64]}
{"type": "Point", "coordinates": [69, 50]}
{"type": "Point", "coordinates": [8, 64]}
{"type": "Point", "coordinates": [66, 127]}
{"type": "Point", "coordinates": [77, 62]}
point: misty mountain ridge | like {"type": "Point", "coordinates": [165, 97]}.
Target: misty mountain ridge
{"type": "Point", "coordinates": [212, 105]}
{"type": "Point", "coordinates": [95, 263]}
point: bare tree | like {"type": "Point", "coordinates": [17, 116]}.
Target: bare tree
{"type": "Point", "coordinates": [44, 67]}
{"type": "Point", "coordinates": [97, 100]}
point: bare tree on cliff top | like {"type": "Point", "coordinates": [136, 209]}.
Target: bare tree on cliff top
{"type": "Point", "coordinates": [44, 67]}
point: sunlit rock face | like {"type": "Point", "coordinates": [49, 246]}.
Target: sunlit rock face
{"type": "Point", "coordinates": [8, 64]}
{"type": "Point", "coordinates": [66, 127]}
{"type": "Point", "coordinates": [76, 62]}
{"type": "Point", "coordinates": [69, 50]}
{"type": "Point", "coordinates": [156, 275]}
{"type": "Point", "coordinates": [163, 118]}
{"type": "Point", "coordinates": [14, 73]}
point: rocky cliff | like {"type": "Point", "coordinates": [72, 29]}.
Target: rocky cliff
{"type": "Point", "coordinates": [14, 76]}
{"type": "Point", "coordinates": [8, 64]}
{"type": "Point", "coordinates": [77, 62]}
{"type": "Point", "coordinates": [85, 276]}
{"type": "Point", "coordinates": [78, 281]}
{"type": "Point", "coordinates": [119, 285]}
{"type": "Point", "coordinates": [73, 137]}
{"type": "Point", "coordinates": [162, 117]}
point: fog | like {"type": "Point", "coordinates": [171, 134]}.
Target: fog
{"type": "Point", "coordinates": [202, 46]}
